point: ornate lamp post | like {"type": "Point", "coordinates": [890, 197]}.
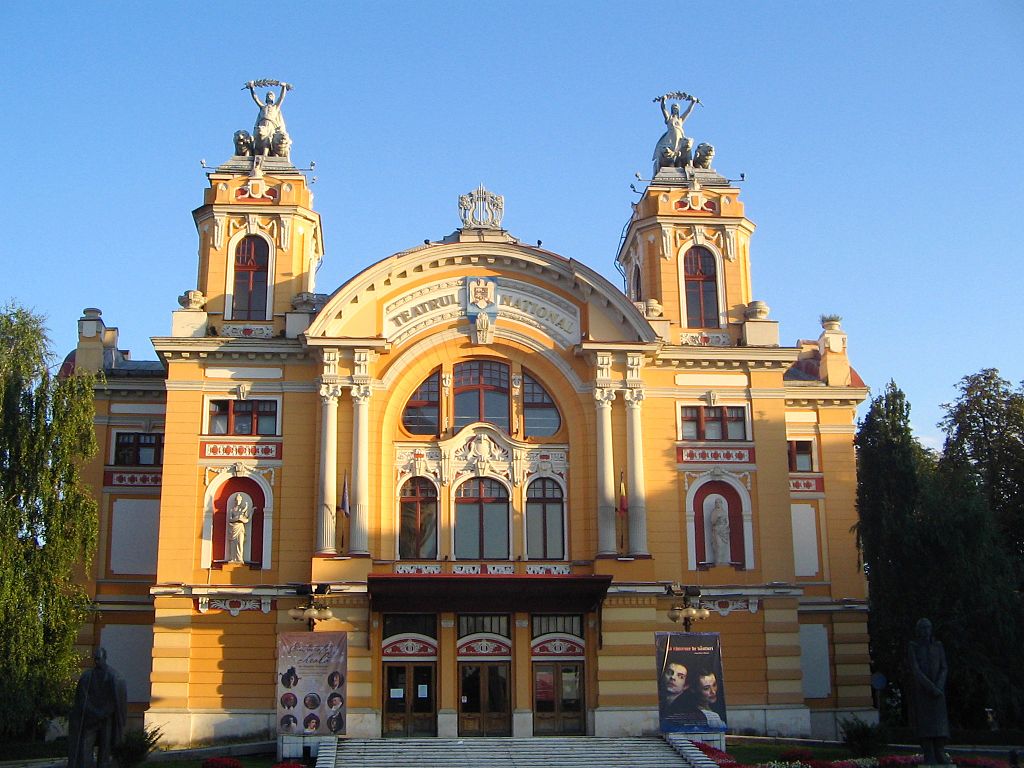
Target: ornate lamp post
{"type": "Point", "coordinates": [315, 610]}
{"type": "Point", "coordinates": [686, 605]}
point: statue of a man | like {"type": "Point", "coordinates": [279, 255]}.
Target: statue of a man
{"type": "Point", "coordinates": [720, 533]}
{"type": "Point", "coordinates": [238, 519]}
{"type": "Point", "coordinates": [270, 121]}
{"type": "Point", "coordinates": [927, 661]}
{"type": "Point", "coordinates": [98, 715]}
{"type": "Point", "coordinates": [673, 148]}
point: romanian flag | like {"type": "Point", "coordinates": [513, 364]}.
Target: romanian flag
{"type": "Point", "coordinates": [344, 497]}
{"type": "Point", "coordinates": [623, 499]}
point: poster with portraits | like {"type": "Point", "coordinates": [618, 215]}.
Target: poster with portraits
{"type": "Point", "coordinates": [312, 668]}
{"type": "Point", "coordinates": [691, 688]}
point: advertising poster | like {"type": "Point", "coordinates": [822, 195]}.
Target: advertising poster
{"type": "Point", "coordinates": [691, 689]}
{"type": "Point", "coordinates": [312, 668]}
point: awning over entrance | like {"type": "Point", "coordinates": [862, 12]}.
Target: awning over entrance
{"type": "Point", "coordinates": [427, 593]}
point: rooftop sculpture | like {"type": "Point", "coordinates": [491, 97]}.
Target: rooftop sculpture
{"type": "Point", "coordinates": [674, 148]}
{"type": "Point", "coordinates": [269, 137]}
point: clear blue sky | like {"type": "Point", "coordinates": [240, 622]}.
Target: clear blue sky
{"type": "Point", "coordinates": [881, 141]}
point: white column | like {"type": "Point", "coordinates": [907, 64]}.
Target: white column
{"type": "Point", "coordinates": [327, 513]}
{"type": "Point", "coordinates": [605, 474]}
{"type": "Point", "coordinates": [637, 484]}
{"type": "Point", "coordinates": [359, 543]}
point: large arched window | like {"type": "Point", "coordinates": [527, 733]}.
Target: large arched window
{"type": "Point", "coordinates": [540, 414]}
{"type": "Point", "coordinates": [422, 414]}
{"type": "Point", "coordinates": [545, 536]}
{"type": "Point", "coordinates": [481, 393]}
{"type": "Point", "coordinates": [249, 297]}
{"type": "Point", "coordinates": [481, 520]}
{"type": "Point", "coordinates": [417, 530]}
{"type": "Point", "coordinates": [701, 288]}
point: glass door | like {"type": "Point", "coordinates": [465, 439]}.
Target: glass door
{"type": "Point", "coordinates": [485, 703]}
{"type": "Point", "coordinates": [409, 700]}
{"type": "Point", "coordinates": [558, 705]}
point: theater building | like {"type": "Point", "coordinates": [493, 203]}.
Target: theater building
{"type": "Point", "coordinates": [484, 462]}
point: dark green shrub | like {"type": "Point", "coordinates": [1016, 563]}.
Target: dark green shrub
{"type": "Point", "coordinates": [863, 739]}
{"type": "Point", "coordinates": [136, 746]}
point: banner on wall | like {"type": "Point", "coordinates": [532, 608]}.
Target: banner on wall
{"type": "Point", "coordinates": [312, 671]}
{"type": "Point", "coordinates": [691, 688]}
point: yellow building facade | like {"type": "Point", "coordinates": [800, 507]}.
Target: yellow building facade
{"type": "Point", "coordinates": [484, 462]}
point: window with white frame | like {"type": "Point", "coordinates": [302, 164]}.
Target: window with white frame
{"type": "Point", "coordinates": [251, 417]}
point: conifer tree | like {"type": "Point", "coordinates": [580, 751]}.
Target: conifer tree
{"type": "Point", "coordinates": [48, 523]}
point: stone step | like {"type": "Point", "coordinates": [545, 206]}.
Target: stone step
{"type": "Point", "coordinates": [503, 752]}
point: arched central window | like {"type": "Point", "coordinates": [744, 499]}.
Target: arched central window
{"type": "Point", "coordinates": [701, 288]}
{"type": "Point", "coordinates": [417, 532]}
{"type": "Point", "coordinates": [249, 297]}
{"type": "Point", "coordinates": [545, 539]}
{"type": "Point", "coordinates": [481, 393]}
{"type": "Point", "coordinates": [481, 520]}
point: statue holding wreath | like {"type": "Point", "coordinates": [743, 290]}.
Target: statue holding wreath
{"type": "Point", "coordinates": [674, 148]}
{"type": "Point", "coordinates": [269, 136]}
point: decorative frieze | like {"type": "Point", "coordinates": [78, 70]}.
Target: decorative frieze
{"type": "Point", "coordinates": [232, 449]}
{"type": "Point", "coordinates": [417, 568]}
{"type": "Point", "coordinates": [484, 645]}
{"type": "Point", "coordinates": [704, 339]}
{"type": "Point", "coordinates": [806, 484]}
{"type": "Point", "coordinates": [548, 569]}
{"type": "Point", "coordinates": [723, 606]}
{"type": "Point", "coordinates": [131, 478]}
{"type": "Point", "coordinates": [709, 455]}
{"type": "Point", "coordinates": [409, 646]}
{"type": "Point", "coordinates": [557, 646]}
{"type": "Point", "coordinates": [238, 331]}
{"type": "Point", "coordinates": [233, 605]}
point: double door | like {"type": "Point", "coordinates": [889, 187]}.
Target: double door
{"type": "Point", "coordinates": [558, 705]}
{"type": "Point", "coordinates": [485, 699]}
{"type": "Point", "coordinates": [410, 701]}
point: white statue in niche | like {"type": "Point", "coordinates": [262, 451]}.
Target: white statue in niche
{"type": "Point", "coordinates": [718, 524]}
{"type": "Point", "coordinates": [239, 515]}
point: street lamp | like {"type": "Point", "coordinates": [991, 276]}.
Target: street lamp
{"type": "Point", "coordinates": [315, 610]}
{"type": "Point", "coordinates": [686, 605]}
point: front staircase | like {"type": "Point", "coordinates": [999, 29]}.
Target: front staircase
{"type": "Point", "coordinates": [546, 752]}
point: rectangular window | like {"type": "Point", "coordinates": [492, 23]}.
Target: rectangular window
{"type": "Point", "coordinates": [714, 422]}
{"type": "Point", "coordinates": [801, 455]}
{"type": "Point", "coordinates": [138, 449]}
{"type": "Point", "coordinates": [243, 417]}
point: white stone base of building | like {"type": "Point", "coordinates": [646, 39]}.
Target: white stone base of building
{"type": "Point", "coordinates": [625, 721]}
{"type": "Point", "coordinates": [771, 720]}
{"type": "Point", "coordinates": [522, 723]}
{"type": "Point", "coordinates": [188, 727]}
{"type": "Point", "coordinates": [447, 723]}
{"type": "Point", "coordinates": [363, 724]}
{"type": "Point", "coordinates": [825, 723]}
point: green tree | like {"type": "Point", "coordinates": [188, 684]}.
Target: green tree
{"type": "Point", "coordinates": [985, 429]}
{"type": "Point", "coordinates": [890, 463]}
{"type": "Point", "coordinates": [48, 523]}
{"type": "Point", "coordinates": [931, 547]}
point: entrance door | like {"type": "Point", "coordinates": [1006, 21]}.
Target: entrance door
{"type": "Point", "coordinates": [409, 700]}
{"type": "Point", "coordinates": [485, 704]}
{"type": "Point", "coordinates": [558, 707]}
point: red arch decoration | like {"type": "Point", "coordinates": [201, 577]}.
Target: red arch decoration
{"type": "Point", "coordinates": [220, 505]}
{"type": "Point", "coordinates": [735, 508]}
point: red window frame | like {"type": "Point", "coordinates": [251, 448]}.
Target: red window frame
{"type": "Point", "coordinates": [714, 423]}
{"type": "Point", "coordinates": [544, 498]}
{"type": "Point", "coordinates": [128, 448]}
{"type": "Point", "coordinates": [701, 286]}
{"type": "Point", "coordinates": [418, 496]}
{"type": "Point", "coordinates": [801, 452]}
{"type": "Point", "coordinates": [535, 401]}
{"type": "Point", "coordinates": [427, 396]}
{"type": "Point", "coordinates": [482, 377]}
{"type": "Point", "coordinates": [472, 497]}
{"type": "Point", "coordinates": [252, 265]}
{"type": "Point", "coordinates": [244, 417]}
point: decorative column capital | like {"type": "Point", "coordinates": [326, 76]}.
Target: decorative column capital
{"type": "Point", "coordinates": [361, 393]}
{"type": "Point", "coordinates": [634, 397]}
{"type": "Point", "coordinates": [330, 392]}
{"type": "Point", "coordinates": [604, 396]}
